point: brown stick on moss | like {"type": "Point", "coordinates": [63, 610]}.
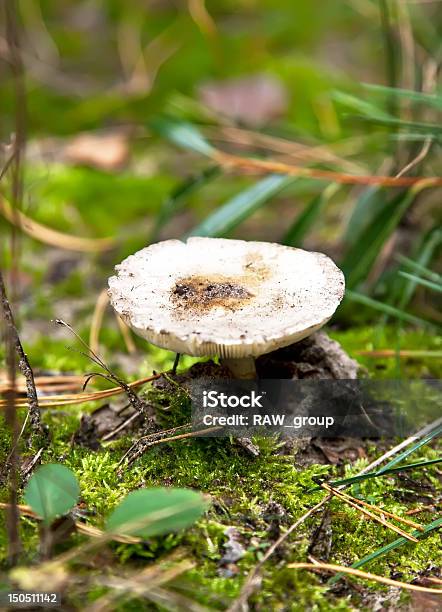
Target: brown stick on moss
{"type": "Point", "coordinates": [23, 362]}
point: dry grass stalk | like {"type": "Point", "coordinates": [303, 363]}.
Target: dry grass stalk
{"type": "Point", "coordinates": [50, 236]}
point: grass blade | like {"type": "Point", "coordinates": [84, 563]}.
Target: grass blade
{"type": "Point", "coordinates": [423, 257]}
{"type": "Point", "coordinates": [178, 198]}
{"type": "Point", "coordinates": [422, 281]}
{"type": "Point", "coordinates": [380, 552]}
{"type": "Point", "coordinates": [361, 256]}
{"type": "Point", "coordinates": [368, 475]}
{"type": "Point", "coordinates": [306, 219]}
{"type": "Point", "coordinates": [361, 106]}
{"type": "Point", "coordinates": [183, 134]}
{"type": "Point", "coordinates": [370, 202]}
{"type": "Point", "coordinates": [415, 96]}
{"type": "Point", "coordinates": [387, 309]}
{"type": "Point", "coordinates": [417, 267]}
{"type": "Point", "coordinates": [241, 206]}
{"type": "Point", "coordinates": [430, 129]}
{"type": "Point", "coordinates": [425, 440]}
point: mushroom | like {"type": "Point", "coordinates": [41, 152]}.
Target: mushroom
{"type": "Point", "coordinates": [231, 298]}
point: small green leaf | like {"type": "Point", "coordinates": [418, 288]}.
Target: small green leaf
{"type": "Point", "coordinates": [52, 491]}
{"type": "Point", "coordinates": [156, 511]}
{"type": "Point", "coordinates": [183, 134]}
{"type": "Point", "coordinates": [241, 206]}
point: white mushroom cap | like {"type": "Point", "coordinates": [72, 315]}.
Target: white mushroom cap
{"type": "Point", "coordinates": [231, 298]}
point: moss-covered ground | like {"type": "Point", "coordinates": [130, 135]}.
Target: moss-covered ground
{"type": "Point", "coordinates": [242, 488]}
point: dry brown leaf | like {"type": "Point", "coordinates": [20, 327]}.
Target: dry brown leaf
{"type": "Point", "coordinates": [104, 151]}
{"type": "Point", "coordinates": [252, 100]}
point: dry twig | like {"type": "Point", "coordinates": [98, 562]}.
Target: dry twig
{"type": "Point", "coordinates": [23, 363]}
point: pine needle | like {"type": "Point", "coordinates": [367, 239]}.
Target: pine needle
{"type": "Point", "coordinates": [358, 573]}
{"type": "Point", "coordinates": [360, 505]}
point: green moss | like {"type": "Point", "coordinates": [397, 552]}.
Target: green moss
{"type": "Point", "coordinates": [240, 487]}
{"type": "Point", "coordinates": [426, 364]}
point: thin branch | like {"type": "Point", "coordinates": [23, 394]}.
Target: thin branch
{"type": "Point", "coordinates": [139, 405]}
{"type": "Point", "coordinates": [23, 363]}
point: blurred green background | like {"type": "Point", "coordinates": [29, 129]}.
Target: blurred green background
{"type": "Point", "coordinates": [121, 99]}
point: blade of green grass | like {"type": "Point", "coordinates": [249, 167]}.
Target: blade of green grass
{"type": "Point", "coordinates": [178, 198]}
{"type": "Point", "coordinates": [387, 309]}
{"type": "Point", "coordinates": [380, 552]}
{"type": "Point", "coordinates": [430, 129]}
{"type": "Point", "coordinates": [403, 289]}
{"type": "Point", "coordinates": [391, 51]}
{"type": "Point", "coordinates": [183, 134]}
{"type": "Point", "coordinates": [241, 206]}
{"type": "Point", "coordinates": [416, 96]}
{"type": "Point", "coordinates": [370, 202]}
{"type": "Point", "coordinates": [417, 267]}
{"type": "Point", "coordinates": [368, 475]}
{"type": "Point", "coordinates": [304, 222]}
{"type": "Point", "coordinates": [422, 281]}
{"type": "Point", "coordinates": [361, 255]}
{"type": "Point", "coordinates": [402, 456]}
{"type": "Point", "coordinates": [361, 106]}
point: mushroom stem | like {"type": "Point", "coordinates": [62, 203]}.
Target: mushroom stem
{"type": "Point", "coordinates": [241, 368]}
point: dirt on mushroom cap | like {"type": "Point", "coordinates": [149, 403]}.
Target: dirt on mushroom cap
{"type": "Point", "coordinates": [200, 293]}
